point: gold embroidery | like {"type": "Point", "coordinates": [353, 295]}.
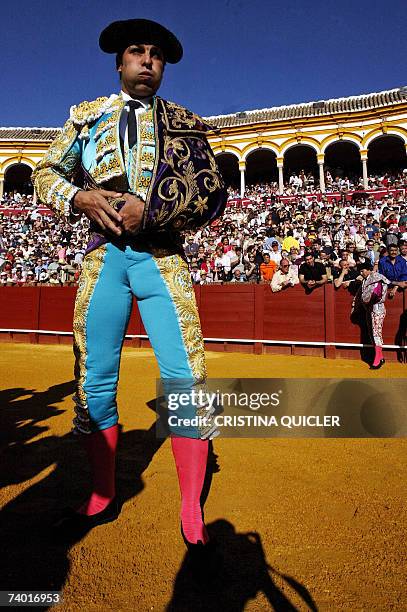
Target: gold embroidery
{"type": "Point", "coordinates": [86, 112]}
{"type": "Point", "coordinates": [177, 117]}
{"type": "Point", "coordinates": [201, 204]}
{"type": "Point", "coordinates": [104, 145]}
{"type": "Point", "coordinates": [112, 163]}
{"type": "Point", "coordinates": [175, 273]}
{"type": "Point", "coordinates": [182, 188]}
{"type": "Point", "coordinates": [144, 154]}
{"type": "Point", "coordinates": [103, 125]}
{"type": "Point", "coordinates": [107, 168]}
{"type": "Point", "coordinates": [92, 266]}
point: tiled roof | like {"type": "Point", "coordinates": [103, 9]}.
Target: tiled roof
{"type": "Point", "coordinates": [382, 99]}
{"type": "Point", "coordinates": [28, 133]}
{"type": "Point", "coordinates": [312, 109]}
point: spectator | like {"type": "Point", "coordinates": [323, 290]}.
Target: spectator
{"type": "Point", "coordinates": [238, 277]}
{"type": "Point", "coordinates": [312, 274]}
{"type": "Point", "coordinates": [5, 279]}
{"type": "Point", "coordinates": [205, 278]}
{"type": "Point", "coordinates": [275, 253]}
{"type": "Point", "coordinates": [345, 275]}
{"type": "Point", "coordinates": [251, 270]}
{"type": "Point", "coordinates": [289, 242]}
{"type": "Point", "coordinates": [54, 280]}
{"type": "Point", "coordinates": [191, 247]}
{"type": "Point", "coordinates": [267, 268]}
{"type": "Point", "coordinates": [285, 277]}
{"type": "Point", "coordinates": [195, 274]}
{"type": "Point", "coordinates": [394, 267]}
{"type": "Point", "coordinates": [30, 280]}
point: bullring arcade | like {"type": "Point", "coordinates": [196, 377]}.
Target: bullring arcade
{"type": "Point", "coordinates": [363, 135]}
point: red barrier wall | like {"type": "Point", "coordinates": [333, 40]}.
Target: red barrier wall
{"type": "Point", "coordinates": [296, 322]}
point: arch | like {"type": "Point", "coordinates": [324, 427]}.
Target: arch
{"type": "Point", "coordinates": [300, 158]}
{"type": "Point", "coordinates": [378, 133]}
{"type": "Point", "coordinates": [342, 159]}
{"type": "Point", "coordinates": [261, 166]}
{"type": "Point", "coordinates": [228, 164]}
{"type": "Point", "coordinates": [17, 178]}
{"type": "Point", "coordinates": [12, 161]}
{"type": "Point", "coordinates": [305, 141]}
{"type": "Point", "coordinates": [347, 137]}
{"type": "Point", "coordinates": [218, 150]}
{"type": "Point", "coordinates": [386, 154]}
{"type": "Point", "coordinates": [250, 148]}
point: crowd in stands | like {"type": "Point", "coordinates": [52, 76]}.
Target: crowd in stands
{"type": "Point", "coordinates": [303, 241]}
{"type": "Point", "coordinates": [306, 183]}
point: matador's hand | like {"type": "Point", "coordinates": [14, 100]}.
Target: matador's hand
{"type": "Point", "coordinates": [132, 213]}
{"type": "Point", "coordinates": [94, 205]}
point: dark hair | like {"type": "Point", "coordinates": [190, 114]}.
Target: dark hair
{"type": "Point", "coordinates": [366, 265]}
{"type": "Point", "coordinates": [119, 58]}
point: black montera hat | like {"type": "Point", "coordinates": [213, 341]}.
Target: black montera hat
{"type": "Point", "coordinates": [121, 34]}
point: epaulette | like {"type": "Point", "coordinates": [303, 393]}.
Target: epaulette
{"type": "Point", "coordinates": [87, 112]}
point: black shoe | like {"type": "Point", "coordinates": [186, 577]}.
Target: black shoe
{"type": "Point", "coordinates": [203, 560]}
{"type": "Point", "coordinates": [198, 549]}
{"type": "Point", "coordinates": [378, 366]}
{"type": "Point", "coordinates": [72, 525]}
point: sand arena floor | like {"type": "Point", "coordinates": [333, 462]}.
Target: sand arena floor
{"type": "Point", "coordinates": [317, 524]}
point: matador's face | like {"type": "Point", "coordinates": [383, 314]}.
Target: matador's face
{"type": "Point", "coordinates": [141, 69]}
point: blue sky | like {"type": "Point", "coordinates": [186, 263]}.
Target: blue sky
{"type": "Point", "coordinates": [238, 55]}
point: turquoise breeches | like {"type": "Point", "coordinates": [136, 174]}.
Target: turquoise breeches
{"type": "Point", "coordinates": [166, 301]}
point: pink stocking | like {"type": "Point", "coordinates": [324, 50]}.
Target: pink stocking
{"type": "Point", "coordinates": [101, 450]}
{"type": "Point", "coordinates": [190, 456]}
{"type": "Point", "coordinates": [378, 355]}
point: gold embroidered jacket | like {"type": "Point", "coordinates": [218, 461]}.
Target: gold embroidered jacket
{"type": "Point", "coordinates": [172, 168]}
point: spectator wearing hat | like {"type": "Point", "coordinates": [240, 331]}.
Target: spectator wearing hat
{"type": "Point", "coordinates": [220, 275]}
{"type": "Point", "coordinates": [191, 248]}
{"type": "Point", "coordinates": [275, 252]}
{"type": "Point", "coordinates": [205, 278]}
{"type": "Point", "coordinates": [30, 280]}
{"type": "Point", "coordinates": [5, 279]}
{"type": "Point", "coordinates": [195, 274]}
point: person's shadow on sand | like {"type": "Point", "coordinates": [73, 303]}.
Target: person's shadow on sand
{"type": "Point", "coordinates": [58, 465]}
{"type": "Point", "coordinates": [239, 573]}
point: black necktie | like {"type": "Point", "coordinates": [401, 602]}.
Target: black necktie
{"type": "Point", "coordinates": [132, 123]}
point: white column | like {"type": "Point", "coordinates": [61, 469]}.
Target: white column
{"type": "Point", "coordinates": [280, 166]}
{"type": "Point", "coordinates": [363, 158]}
{"type": "Point", "coordinates": [1, 187]}
{"type": "Point", "coordinates": [364, 170]}
{"type": "Point", "coordinates": [242, 168]}
{"type": "Point", "coordinates": [321, 160]}
{"type": "Point", "coordinates": [321, 177]}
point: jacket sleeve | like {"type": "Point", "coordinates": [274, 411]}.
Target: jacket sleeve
{"type": "Point", "coordinates": [53, 174]}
